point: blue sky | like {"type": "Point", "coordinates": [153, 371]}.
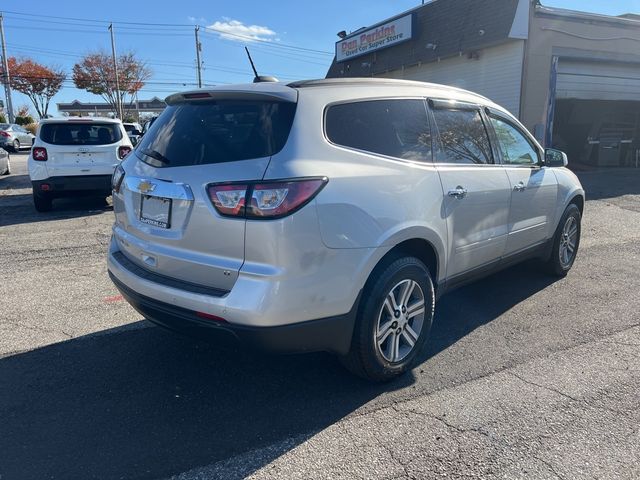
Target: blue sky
{"type": "Point", "coordinates": [170, 51]}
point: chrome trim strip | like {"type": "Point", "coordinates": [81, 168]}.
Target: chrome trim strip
{"type": "Point", "coordinates": [158, 188]}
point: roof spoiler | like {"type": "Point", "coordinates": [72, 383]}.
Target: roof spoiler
{"type": "Point", "coordinates": [279, 95]}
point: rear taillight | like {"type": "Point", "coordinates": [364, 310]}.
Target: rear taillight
{"type": "Point", "coordinates": [39, 154]}
{"type": "Point", "coordinates": [4, 134]}
{"type": "Point", "coordinates": [264, 200]}
{"type": "Point", "coordinates": [229, 199]}
{"type": "Point", "coordinates": [117, 178]}
{"type": "Point", "coordinates": [123, 151]}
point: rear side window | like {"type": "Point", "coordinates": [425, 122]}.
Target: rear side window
{"type": "Point", "coordinates": [396, 128]}
{"type": "Point", "coordinates": [463, 137]}
{"type": "Point", "coordinates": [80, 133]}
{"type": "Point", "coordinates": [216, 132]}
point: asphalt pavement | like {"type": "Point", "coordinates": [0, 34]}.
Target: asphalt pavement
{"type": "Point", "coordinates": [525, 376]}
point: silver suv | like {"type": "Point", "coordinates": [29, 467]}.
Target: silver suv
{"type": "Point", "coordinates": [330, 214]}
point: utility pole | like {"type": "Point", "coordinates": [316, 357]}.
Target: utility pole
{"type": "Point", "coordinates": [5, 76]}
{"type": "Point", "coordinates": [198, 48]}
{"type": "Point", "coordinates": [115, 69]}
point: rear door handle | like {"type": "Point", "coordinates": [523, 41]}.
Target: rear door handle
{"type": "Point", "coordinates": [519, 187]}
{"type": "Point", "coordinates": [459, 192]}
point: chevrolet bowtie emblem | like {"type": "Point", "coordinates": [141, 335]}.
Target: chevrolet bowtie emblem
{"type": "Point", "coordinates": [146, 187]}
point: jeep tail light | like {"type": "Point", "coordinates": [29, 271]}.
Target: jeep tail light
{"type": "Point", "coordinates": [264, 200]}
{"type": "Point", "coordinates": [123, 151]}
{"type": "Point", "coordinates": [39, 154]}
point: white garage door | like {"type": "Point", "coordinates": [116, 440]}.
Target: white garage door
{"type": "Point", "coordinates": [598, 80]}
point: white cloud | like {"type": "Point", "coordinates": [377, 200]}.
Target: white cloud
{"type": "Point", "coordinates": [199, 20]}
{"type": "Point", "coordinates": [238, 31]}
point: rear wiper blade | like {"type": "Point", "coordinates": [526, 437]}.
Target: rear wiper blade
{"type": "Point", "coordinates": [156, 155]}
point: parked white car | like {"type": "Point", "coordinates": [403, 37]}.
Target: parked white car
{"type": "Point", "coordinates": [75, 156]}
{"type": "Point", "coordinates": [134, 131]}
{"type": "Point", "coordinates": [330, 214]}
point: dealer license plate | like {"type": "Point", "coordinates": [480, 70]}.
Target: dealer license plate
{"type": "Point", "coordinates": [156, 211]}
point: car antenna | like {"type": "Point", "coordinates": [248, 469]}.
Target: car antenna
{"type": "Point", "coordinates": [258, 78]}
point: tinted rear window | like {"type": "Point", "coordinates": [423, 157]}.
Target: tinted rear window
{"type": "Point", "coordinates": [397, 128]}
{"type": "Point", "coordinates": [216, 132]}
{"type": "Point", "coordinates": [80, 133]}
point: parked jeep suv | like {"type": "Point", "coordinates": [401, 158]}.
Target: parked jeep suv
{"type": "Point", "coordinates": [75, 156]}
{"type": "Point", "coordinates": [330, 214]}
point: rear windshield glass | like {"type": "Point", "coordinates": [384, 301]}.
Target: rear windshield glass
{"type": "Point", "coordinates": [216, 132]}
{"type": "Point", "coordinates": [4, 126]}
{"type": "Point", "coordinates": [80, 133]}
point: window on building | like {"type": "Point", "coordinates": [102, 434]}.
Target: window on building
{"type": "Point", "coordinates": [515, 146]}
{"type": "Point", "coordinates": [396, 128]}
{"type": "Point", "coordinates": [463, 137]}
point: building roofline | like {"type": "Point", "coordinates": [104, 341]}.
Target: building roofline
{"type": "Point", "coordinates": [600, 17]}
{"type": "Point", "coordinates": [386, 20]}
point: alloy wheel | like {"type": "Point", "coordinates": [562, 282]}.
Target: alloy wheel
{"type": "Point", "coordinates": [400, 321]}
{"type": "Point", "coordinates": [568, 241]}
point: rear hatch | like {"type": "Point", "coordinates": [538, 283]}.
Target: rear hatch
{"type": "Point", "coordinates": [168, 224]}
{"type": "Point", "coordinates": [81, 148]}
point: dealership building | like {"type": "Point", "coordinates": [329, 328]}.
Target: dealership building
{"type": "Point", "coordinates": [572, 78]}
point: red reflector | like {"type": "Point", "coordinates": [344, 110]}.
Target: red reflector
{"type": "Point", "coordinates": [39, 154]}
{"type": "Point", "coordinates": [45, 187]}
{"type": "Point", "coordinates": [209, 316]}
{"type": "Point", "coordinates": [197, 95]}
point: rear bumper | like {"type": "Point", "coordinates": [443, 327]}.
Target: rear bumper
{"type": "Point", "coordinates": [73, 185]}
{"type": "Point", "coordinates": [332, 334]}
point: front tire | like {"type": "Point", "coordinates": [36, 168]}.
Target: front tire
{"type": "Point", "coordinates": [393, 320]}
{"type": "Point", "coordinates": [42, 204]}
{"type": "Point", "coordinates": [565, 242]}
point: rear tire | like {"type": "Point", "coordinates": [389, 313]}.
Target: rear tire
{"type": "Point", "coordinates": [16, 146]}
{"type": "Point", "coordinates": [42, 204]}
{"type": "Point", "coordinates": [8, 170]}
{"type": "Point", "coordinates": [565, 242]}
{"type": "Point", "coordinates": [393, 320]}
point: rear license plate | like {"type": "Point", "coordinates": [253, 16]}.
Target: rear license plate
{"type": "Point", "coordinates": [156, 211]}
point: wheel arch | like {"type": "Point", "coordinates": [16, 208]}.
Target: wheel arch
{"type": "Point", "coordinates": [418, 247]}
{"type": "Point", "coordinates": [578, 201]}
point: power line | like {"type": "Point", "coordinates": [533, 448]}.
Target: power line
{"type": "Point", "coordinates": [221, 68]}
{"type": "Point", "coordinates": [104, 22]}
{"type": "Point", "coordinates": [261, 40]}
{"type": "Point", "coordinates": [145, 24]}
{"type": "Point", "coordinates": [162, 34]}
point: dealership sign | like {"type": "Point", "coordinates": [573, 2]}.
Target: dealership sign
{"type": "Point", "coordinates": [373, 39]}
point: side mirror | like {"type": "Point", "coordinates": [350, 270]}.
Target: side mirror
{"type": "Point", "coordinates": [555, 158]}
